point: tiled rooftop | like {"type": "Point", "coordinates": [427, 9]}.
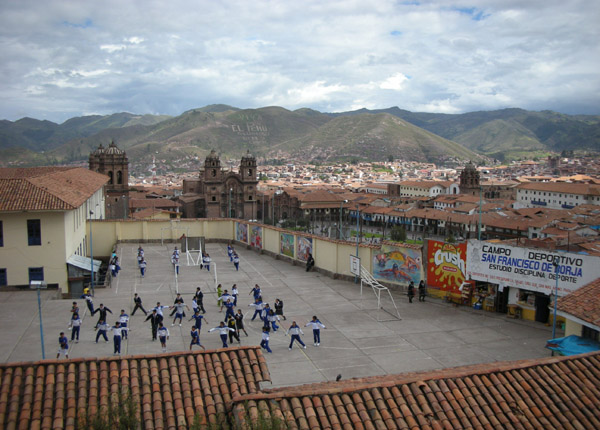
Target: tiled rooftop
{"type": "Point", "coordinates": [169, 389]}
{"type": "Point", "coordinates": [583, 303]}
{"type": "Point", "coordinates": [550, 393]}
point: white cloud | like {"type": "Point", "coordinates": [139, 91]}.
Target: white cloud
{"type": "Point", "coordinates": [337, 55]}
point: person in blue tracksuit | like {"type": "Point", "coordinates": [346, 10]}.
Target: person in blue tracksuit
{"type": "Point", "coordinates": [256, 292]}
{"type": "Point", "coordinates": [294, 331]}
{"type": "Point", "coordinates": [235, 293]}
{"type": "Point", "coordinates": [123, 322]}
{"type": "Point", "coordinates": [75, 326]}
{"type": "Point", "coordinates": [265, 339]}
{"type": "Point", "coordinates": [195, 338]}
{"type": "Point", "coordinates": [102, 329]}
{"type": "Point", "coordinates": [272, 319]}
{"type": "Point", "coordinates": [228, 309]}
{"type": "Point", "coordinates": [236, 261]}
{"type": "Point", "coordinates": [258, 308]}
{"type": "Point", "coordinates": [117, 335]}
{"type": "Point", "coordinates": [163, 335]}
{"type": "Point", "coordinates": [206, 261]}
{"type": "Point", "coordinates": [223, 330]}
{"type": "Point", "coordinates": [198, 319]}
{"type": "Point", "coordinates": [230, 252]}
{"type": "Point", "coordinates": [316, 326]}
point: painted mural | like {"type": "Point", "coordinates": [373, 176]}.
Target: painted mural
{"type": "Point", "coordinates": [398, 264]}
{"type": "Point", "coordinates": [304, 247]}
{"type": "Point", "coordinates": [446, 265]}
{"type": "Point", "coordinates": [286, 244]}
{"type": "Point", "coordinates": [256, 237]}
{"type": "Point", "coordinates": [241, 232]}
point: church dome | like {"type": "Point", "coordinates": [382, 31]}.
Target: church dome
{"type": "Point", "coordinates": [113, 150]}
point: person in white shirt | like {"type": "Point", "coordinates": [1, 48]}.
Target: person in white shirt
{"type": "Point", "coordinates": [316, 325]}
{"type": "Point", "coordinates": [206, 261]}
{"type": "Point", "coordinates": [179, 312]}
{"type": "Point", "coordinates": [159, 310]}
{"type": "Point", "coordinates": [265, 339]}
{"type": "Point", "coordinates": [234, 293]}
{"type": "Point", "coordinates": [163, 335]}
{"type": "Point", "coordinates": [123, 320]}
{"type": "Point", "coordinates": [258, 308]}
{"type": "Point", "coordinates": [75, 326]}
{"type": "Point", "coordinates": [295, 332]}
{"type": "Point", "coordinates": [236, 261]}
{"type": "Point", "coordinates": [223, 330]}
{"type": "Point", "coordinates": [102, 329]}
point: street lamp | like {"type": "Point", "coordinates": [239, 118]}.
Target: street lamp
{"type": "Point", "coordinates": [230, 192]}
{"type": "Point", "coordinates": [357, 238]}
{"type": "Point", "coordinates": [556, 268]}
{"type": "Point", "coordinates": [479, 229]}
{"type": "Point", "coordinates": [91, 255]}
{"type": "Point", "coordinates": [40, 285]}
{"type": "Point", "coordinates": [341, 211]}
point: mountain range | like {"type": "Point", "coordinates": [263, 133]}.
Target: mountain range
{"type": "Point", "coordinates": [275, 133]}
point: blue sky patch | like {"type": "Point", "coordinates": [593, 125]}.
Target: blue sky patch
{"type": "Point", "coordinates": [87, 23]}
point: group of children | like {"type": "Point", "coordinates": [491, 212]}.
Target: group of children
{"type": "Point", "coordinates": [228, 329]}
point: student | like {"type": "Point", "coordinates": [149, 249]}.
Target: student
{"type": "Point", "coordinates": [175, 259]}
{"type": "Point", "coordinates": [200, 299]}
{"type": "Point", "coordinates": [224, 298]}
{"type": "Point", "coordinates": [179, 313]}
{"type": "Point", "coordinates": [74, 308]}
{"type": "Point", "coordinates": [234, 333]}
{"type": "Point", "coordinates": [89, 301]}
{"type": "Point", "coordinates": [256, 291]}
{"type": "Point", "coordinates": [265, 314]}
{"type": "Point", "coordinates": [74, 326]}
{"type": "Point", "coordinates": [163, 335]}
{"type": "Point", "coordinates": [138, 305]}
{"type": "Point", "coordinates": [140, 254]}
{"type": "Point", "coordinates": [295, 332]}
{"type": "Point", "coordinates": [123, 322]}
{"type": "Point", "coordinates": [177, 300]}
{"type": "Point", "coordinates": [117, 334]}
{"type": "Point", "coordinates": [230, 252]}
{"type": "Point", "coordinates": [235, 293]}
{"type": "Point", "coordinates": [279, 308]}
{"type": "Point", "coordinates": [143, 265]}
{"type": "Point", "coordinates": [219, 294]}
{"type": "Point", "coordinates": [258, 308]}
{"type": "Point", "coordinates": [155, 319]}
{"type": "Point", "coordinates": [206, 261]}
{"type": "Point", "coordinates": [198, 319]}
{"type": "Point", "coordinates": [273, 319]}
{"type": "Point", "coordinates": [159, 310]}
{"type": "Point", "coordinates": [103, 313]}
{"type": "Point", "coordinates": [422, 291]}
{"type": "Point", "coordinates": [411, 291]}
{"type": "Point", "coordinates": [223, 330]}
{"type": "Point", "coordinates": [102, 329]}
{"type": "Point", "coordinates": [239, 322]}
{"type": "Point", "coordinates": [195, 338]}
{"type": "Point", "coordinates": [316, 327]}
{"type": "Point", "coordinates": [228, 309]}
{"type": "Point", "coordinates": [63, 345]}
{"type": "Point", "coordinates": [310, 262]}
{"type": "Point", "coordinates": [265, 340]}
{"type": "Point", "coordinates": [236, 261]}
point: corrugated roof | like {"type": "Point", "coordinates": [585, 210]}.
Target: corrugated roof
{"type": "Point", "coordinates": [47, 188]}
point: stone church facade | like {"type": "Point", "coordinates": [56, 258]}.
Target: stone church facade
{"type": "Point", "coordinates": [113, 162]}
{"type": "Point", "coordinates": [218, 193]}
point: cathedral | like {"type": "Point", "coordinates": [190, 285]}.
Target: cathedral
{"type": "Point", "coordinates": [469, 180]}
{"type": "Point", "coordinates": [218, 193]}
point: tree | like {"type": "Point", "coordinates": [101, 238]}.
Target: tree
{"type": "Point", "coordinates": [398, 234]}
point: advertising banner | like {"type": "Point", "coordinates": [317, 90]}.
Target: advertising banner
{"type": "Point", "coordinates": [256, 237]}
{"type": "Point", "coordinates": [286, 244]}
{"type": "Point", "coordinates": [241, 232]}
{"type": "Point", "coordinates": [446, 265]}
{"type": "Point", "coordinates": [304, 245]}
{"type": "Point", "coordinates": [528, 268]}
{"type": "Point", "coordinates": [398, 264]}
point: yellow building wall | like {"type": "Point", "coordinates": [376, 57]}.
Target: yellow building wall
{"type": "Point", "coordinates": [573, 328]}
{"type": "Point", "coordinates": [17, 256]}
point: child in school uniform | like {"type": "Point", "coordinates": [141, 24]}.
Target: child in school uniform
{"type": "Point", "coordinates": [75, 326]}
{"type": "Point", "coordinates": [316, 325]}
{"type": "Point", "coordinates": [123, 321]}
{"type": "Point", "coordinates": [195, 338]}
{"type": "Point", "coordinates": [294, 331]}
{"type": "Point", "coordinates": [63, 345]}
{"type": "Point", "coordinates": [163, 335]}
{"type": "Point", "coordinates": [265, 339]}
{"type": "Point", "coordinates": [117, 335]}
{"type": "Point", "coordinates": [223, 330]}
{"type": "Point", "coordinates": [102, 329]}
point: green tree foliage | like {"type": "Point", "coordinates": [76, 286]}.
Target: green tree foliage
{"type": "Point", "coordinates": [398, 234]}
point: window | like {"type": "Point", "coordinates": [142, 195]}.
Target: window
{"type": "Point", "coordinates": [3, 282]}
{"type": "Point", "coordinates": [214, 199]}
{"type": "Point", "coordinates": [1, 235]}
{"type": "Point", "coordinates": [249, 197]}
{"type": "Point", "coordinates": [34, 232]}
{"type": "Point", "coordinates": [36, 274]}
{"type": "Point", "coordinates": [589, 333]}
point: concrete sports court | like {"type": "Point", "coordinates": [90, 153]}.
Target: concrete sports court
{"type": "Point", "coordinates": [430, 335]}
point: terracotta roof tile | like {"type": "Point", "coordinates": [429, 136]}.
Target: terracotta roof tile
{"type": "Point", "coordinates": [583, 303]}
{"type": "Point", "coordinates": [169, 388]}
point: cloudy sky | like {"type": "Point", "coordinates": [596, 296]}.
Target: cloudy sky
{"type": "Point", "coordinates": [69, 58]}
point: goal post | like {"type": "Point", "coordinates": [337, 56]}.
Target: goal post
{"type": "Point", "coordinates": [386, 307]}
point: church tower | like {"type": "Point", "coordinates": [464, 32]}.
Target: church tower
{"type": "Point", "coordinates": [469, 180]}
{"type": "Point", "coordinates": [113, 162]}
{"type": "Point", "coordinates": [249, 185]}
{"type": "Point", "coordinates": [213, 185]}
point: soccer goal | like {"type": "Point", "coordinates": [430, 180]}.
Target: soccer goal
{"type": "Point", "coordinates": [193, 248]}
{"type": "Point", "coordinates": [386, 307]}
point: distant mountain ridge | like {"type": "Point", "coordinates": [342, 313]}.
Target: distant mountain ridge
{"type": "Point", "coordinates": [305, 134]}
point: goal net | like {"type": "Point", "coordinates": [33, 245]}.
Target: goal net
{"type": "Point", "coordinates": [386, 307]}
